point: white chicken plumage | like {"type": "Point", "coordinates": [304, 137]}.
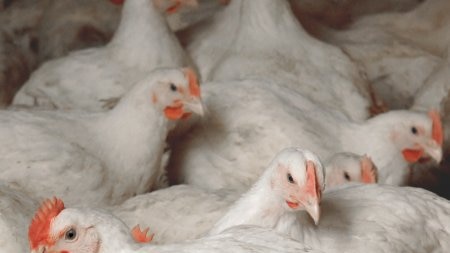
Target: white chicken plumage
{"type": "Point", "coordinates": [94, 78]}
{"type": "Point", "coordinates": [263, 40]}
{"type": "Point", "coordinates": [369, 218]}
{"type": "Point", "coordinates": [98, 158]}
{"type": "Point", "coordinates": [56, 228]}
{"type": "Point", "coordinates": [398, 51]}
{"type": "Point", "coordinates": [185, 212]}
{"type": "Point", "coordinates": [231, 147]}
{"type": "Point", "coordinates": [16, 211]}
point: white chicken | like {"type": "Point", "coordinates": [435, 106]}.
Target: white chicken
{"type": "Point", "coordinates": [346, 167]}
{"type": "Point", "coordinates": [364, 218]}
{"type": "Point", "coordinates": [184, 212]}
{"type": "Point", "coordinates": [398, 51]}
{"type": "Point", "coordinates": [59, 229]}
{"type": "Point", "coordinates": [231, 147]}
{"type": "Point", "coordinates": [98, 158]}
{"type": "Point", "coordinates": [16, 211]}
{"type": "Point", "coordinates": [263, 40]}
{"type": "Point", "coordinates": [435, 93]}
{"type": "Point", "coordinates": [94, 78]}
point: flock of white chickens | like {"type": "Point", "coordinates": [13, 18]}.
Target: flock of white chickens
{"type": "Point", "coordinates": [223, 126]}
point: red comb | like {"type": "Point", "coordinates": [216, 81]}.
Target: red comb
{"type": "Point", "coordinates": [368, 171]}
{"type": "Point", "coordinates": [141, 235]}
{"type": "Point", "coordinates": [437, 133]}
{"type": "Point", "coordinates": [39, 229]}
{"type": "Point", "coordinates": [312, 185]}
{"type": "Point", "coordinates": [194, 89]}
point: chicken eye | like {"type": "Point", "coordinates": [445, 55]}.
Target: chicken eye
{"type": "Point", "coordinates": [290, 178]}
{"type": "Point", "coordinates": [347, 176]}
{"type": "Point", "coordinates": [173, 87]}
{"type": "Point", "coordinates": [414, 130]}
{"type": "Point", "coordinates": [71, 234]}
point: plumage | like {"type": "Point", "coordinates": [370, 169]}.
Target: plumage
{"type": "Point", "coordinates": [16, 211]}
{"type": "Point", "coordinates": [397, 51]}
{"type": "Point", "coordinates": [183, 212]}
{"type": "Point", "coordinates": [238, 137]}
{"type": "Point", "coordinates": [262, 40]}
{"type": "Point", "coordinates": [369, 218]}
{"type": "Point", "coordinates": [93, 79]}
{"type": "Point", "coordinates": [97, 158]}
{"type": "Point", "coordinates": [97, 231]}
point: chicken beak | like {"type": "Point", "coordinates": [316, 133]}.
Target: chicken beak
{"type": "Point", "coordinates": [41, 249]}
{"type": "Point", "coordinates": [194, 105]}
{"type": "Point", "coordinates": [313, 208]}
{"type": "Point", "coordinates": [431, 148]}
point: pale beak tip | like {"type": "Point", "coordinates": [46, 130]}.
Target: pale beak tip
{"type": "Point", "coordinates": [314, 212]}
{"type": "Point", "coordinates": [196, 107]}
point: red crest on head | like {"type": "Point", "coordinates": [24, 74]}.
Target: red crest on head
{"type": "Point", "coordinates": [312, 184]}
{"type": "Point", "coordinates": [194, 89]}
{"type": "Point", "coordinates": [38, 232]}
{"type": "Point", "coordinates": [437, 133]}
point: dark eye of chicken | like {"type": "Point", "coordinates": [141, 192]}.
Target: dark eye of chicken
{"type": "Point", "coordinates": [71, 234]}
{"type": "Point", "coordinates": [347, 176]}
{"type": "Point", "coordinates": [414, 130]}
{"type": "Point", "coordinates": [290, 178]}
{"type": "Point", "coordinates": [173, 87]}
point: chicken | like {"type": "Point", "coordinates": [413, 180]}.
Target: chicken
{"type": "Point", "coordinates": [434, 93]}
{"type": "Point", "coordinates": [240, 134]}
{"type": "Point", "coordinates": [397, 51]}
{"type": "Point", "coordinates": [183, 212]}
{"type": "Point", "coordinates": [293, 182]}
{"type": "Point", "coordinates": [72, 25]}
{"type": "Point", "coordinates": [59, 229]}
{"type": "Point", "coordinates": [98, 158]}
{"type": "Point", "coordinates": [16, 210]}
{"type": "Point", "coordinates": [362, 218]}
{"type": "Point", "coordinates": [93, 79]}
{"type": "Point", "coordinates": [343, 168]}
{"type": "Point", "coordinates": [263, 40]}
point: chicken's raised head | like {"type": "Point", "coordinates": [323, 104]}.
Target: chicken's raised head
{"type": "Point", "coordinates": [418, 136]}
{"type": "Point", "coordinates": [174, 92]}
{"type": "Point", "coordinates": [298, 177]}
{"type": "Point", "coordinates": [343, 168]}
{"type": "Point", "coordinates": [56, 229]}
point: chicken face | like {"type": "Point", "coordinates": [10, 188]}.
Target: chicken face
{"type": "Point", "coordinates": [299, 182]}
{"type": "Point", "coordinates": [419, 139]}
{"type": "Point", "coordinates": [178, 94]}
{"type": "Point", "coordinates": [49, 233]}
{"type": "Point", "coordinates": [348, 167]}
